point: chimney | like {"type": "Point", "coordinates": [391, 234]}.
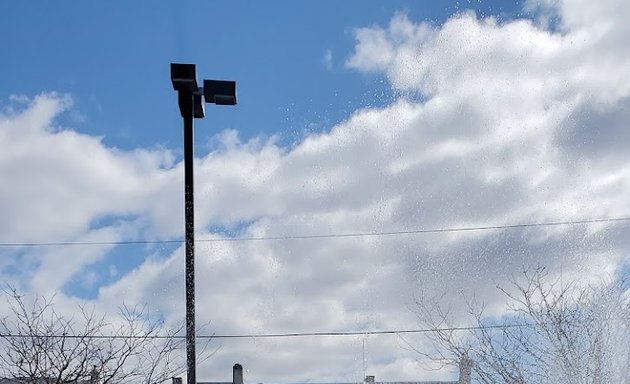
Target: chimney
{"type": "Point", "coordinates": [237, 374]}
{"type": "Point", "coordinates": [465, 370]}
{"type": "Point", "coordinates": [94, 375]}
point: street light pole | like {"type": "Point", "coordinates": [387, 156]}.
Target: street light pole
{"type": "Point", "coordinates": [191, 106]}
{"type": "Point", "coordinates": [189, 219]}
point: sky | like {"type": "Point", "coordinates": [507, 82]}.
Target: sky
{"type": "Point", "coordinates": [353, 117]}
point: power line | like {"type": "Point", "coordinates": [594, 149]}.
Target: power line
{"type": "Point", "coordinates": [87, 243]}
{"type": "Point", "coordinates": [365, 333]}
{"type": "Point", "coordinates": [277, 335]}
{"type": "Point", "coordinates": [317, 236]}
{"type": "Point", "coordinates": [419, 231]}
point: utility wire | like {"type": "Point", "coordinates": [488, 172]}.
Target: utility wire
{"type": "Point", "coordinates": [275, 335]}
{"type": "Point", "coordinates": [363, 333]}
{"type": "Point", "coordinates": [318, 236]}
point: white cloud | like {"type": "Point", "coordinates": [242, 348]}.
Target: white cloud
{"type": "Point", "coordinates": [58, 184]}
{"type": "Point", "coordinates": [519, 124]}
{"type": "Point", "coordinates": [374, 51]}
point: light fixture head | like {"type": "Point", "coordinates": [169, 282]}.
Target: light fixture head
{"type": "Point", "coordinates": [184, 77]}
{"type": "Point", "coordinates": [220, 92]}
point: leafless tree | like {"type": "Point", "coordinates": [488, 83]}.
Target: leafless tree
{"type": "Point", "coordinates": [39, 344]}
{"type": "Point", "coordinates": [553, 332]}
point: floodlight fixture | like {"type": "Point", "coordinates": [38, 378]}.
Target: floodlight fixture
{"type": "Point", "coordinates": [220, 92]}
{"type": "Point", "coordinates": [184, 77]}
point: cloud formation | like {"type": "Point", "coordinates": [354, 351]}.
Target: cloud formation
{"type": "Point", "coordinates": [518, 122]}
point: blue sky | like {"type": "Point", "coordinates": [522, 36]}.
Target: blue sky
{"type": "Point", "coordinates": [113, 58]}
{"type": "Point", "coordinates": [353, 117]}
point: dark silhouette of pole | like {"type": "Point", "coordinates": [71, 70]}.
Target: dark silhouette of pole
{"type": "Point", "coordinates": [191, 105]}
{"type": "Point", "coordinates": [186, 103]}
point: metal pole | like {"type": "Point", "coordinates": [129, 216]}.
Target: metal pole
{"type": "Point", "coordinates": [186, 103]}
{"type": "Point", "coordinates": [191, 99]}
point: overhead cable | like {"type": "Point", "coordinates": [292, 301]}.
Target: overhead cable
{"type": "Point", "coordinates": [276, 335]}
{"type": "Point", "coordinates": [319, 236]}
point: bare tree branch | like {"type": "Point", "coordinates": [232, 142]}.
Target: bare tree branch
{"type": "Point", "coordinates": [555, 332]}
{"type": "Point", "coordinates": [38, 343]}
